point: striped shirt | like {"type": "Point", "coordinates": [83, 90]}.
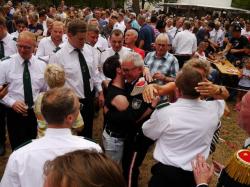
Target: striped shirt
{"type": "Point", "coordinates": [167, 65]}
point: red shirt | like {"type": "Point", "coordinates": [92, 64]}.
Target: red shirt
{"type": "Point", "coordinates": [140, 51]}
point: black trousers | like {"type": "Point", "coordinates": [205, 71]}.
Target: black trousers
{"type": "Point", "coordinates": [21, 128]}
{"type": "Point", "coordinates": [170, 176]}
{"type": "Point", "coordinates": [182, 59]}
{"type": "Point", "coordinates": [87, 113]}
{"type": "Point", "coordinates": [136, 146]}
{"type": "Point", "coordinates": [2, 124]}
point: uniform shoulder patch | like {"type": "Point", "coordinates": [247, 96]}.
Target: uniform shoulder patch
{"type": "Point", "coordinates": [42, 60]}
{"type": "Point", "coordinates": [162, 105]}
{"type": "Point", "coordinates": [89, 139]}
{"type": "Point", "coordinates": [5, 58]}
{"type": "Point", "coordinates": [23, 144]}
{"type": "Point", "coordinates": [56, 49]}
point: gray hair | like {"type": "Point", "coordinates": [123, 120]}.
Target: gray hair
{"type": "Point", "coordinates": [133, 57]}
{"type": "Point", "coordinates": [162, 37]}
{"type": "Point", "coordinates": [133, 31]}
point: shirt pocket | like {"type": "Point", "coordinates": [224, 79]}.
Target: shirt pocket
{"type": "Point", "coordinates": [16, 81]}
{"type": "Point", "coordinates": [38, 82]}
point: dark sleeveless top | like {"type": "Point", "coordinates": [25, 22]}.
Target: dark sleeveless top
{"type": "Point", "coordinates": [112, 122]}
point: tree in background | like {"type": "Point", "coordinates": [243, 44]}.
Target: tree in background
{"type": "Point", "coordinates": [244, 4]}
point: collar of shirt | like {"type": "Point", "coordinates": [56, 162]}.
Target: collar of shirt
{"type": "Point", "coordinates": [164, 57]}
{"type": "Point", "coordinates": [57, 132]}
{"type": "Point", "coordinates": [21, 60]}
{"type": "Point", "coordinates": [70, 47]}
{"type": "Point", "coordinates": [6, 39]}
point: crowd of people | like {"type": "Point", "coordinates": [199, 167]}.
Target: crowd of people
{"type": "Point", "coordinates": [151, 74]}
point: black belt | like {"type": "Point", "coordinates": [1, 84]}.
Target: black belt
{"type": "Point", "coordinates": [114, 134]}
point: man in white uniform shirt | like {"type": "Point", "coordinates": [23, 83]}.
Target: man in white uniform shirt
{"type": "Point", "coordinates": [48, 45]}
{"type": "Point", "coordinates": [182, 130]}
{"type": "Point", "coordinates": [217, 36]}
{"type": "Point", "coordinates": [7, 48]}
{"type": "Point", "coordinates": [25, 75]}
{"type": "Point", "coordinates": [117, 48]}
{"type": "Point", "coordinates": [184, 44]}
{"type": "Point", "coordinates": [25, 165]}
{"type": "Point", "coordinates": [81, 71]}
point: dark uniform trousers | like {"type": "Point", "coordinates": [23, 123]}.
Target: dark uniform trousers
{"type": "Point", "coordinates": [2, 124]}
{"type": "Point", "coordinates": [21, 128]}
{"type": "Point", "coordinates": [170, 176]}
{"type": "Point", "coordinates": [87, 113]}
{"type": "Point", "coordinates": [182, 59]}
{"type": "Point", "coordinates": [136, 146]}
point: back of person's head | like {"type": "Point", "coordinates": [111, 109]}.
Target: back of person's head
{"type": "Point", "coordinates": [187, 25]}
{"type": "Point", "coordinates": [201, 65]}
{"type": "Point", "coordinates": [54, 75]}
{"type": "Point", "coordinates": [153, 19]}
{"type": "Point", "coordinates": [83, 168]}
{"type": "Point", "coordinates": [186, 81]}
{"type": "Point", "coordinates": [76, 26]}
{"type": "Point", "coordinates": [57, 104]}
{"type": "Point", "coordinates": [110, 66]}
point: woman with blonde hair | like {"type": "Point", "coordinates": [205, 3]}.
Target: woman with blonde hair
{"type": "Point", "coordinates": [54, 75]}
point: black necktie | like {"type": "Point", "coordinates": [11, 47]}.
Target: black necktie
{"type": "Point", "coordinates": [117, 54]}
{"type": "Point", "coordinates": [85, 73]}
{"type": "Point", "coordinates": [1, 50]}
{"type": "Point", "coordinates": [176, 32]}
{"type": "Point", "coordinates": [27, 88]}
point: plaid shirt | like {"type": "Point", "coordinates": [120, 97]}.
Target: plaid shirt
{"type": "Point", "coordinates": [167, 65]}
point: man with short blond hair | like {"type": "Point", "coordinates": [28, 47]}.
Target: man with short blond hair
{"type": "Point", "coordinates": [24, 73]}
{"type": "Point", "coordinates": [48, 45]}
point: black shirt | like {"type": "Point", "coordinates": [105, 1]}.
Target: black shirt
{"type": "Point", "coordinates": [115, 120]}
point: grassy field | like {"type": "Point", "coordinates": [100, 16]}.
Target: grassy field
{"type": "Point", "coordinates": [232, 135]}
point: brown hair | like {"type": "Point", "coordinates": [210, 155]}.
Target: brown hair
{"type": "Point", "coordinates": [83, 168]}
{"type": "Point", "coordinates": [76, 25]}
{"type": "Point", "coordinates": [198, 64]}
{"type": "Point", "coordinates": [116, 32]}
{"type": "Point", "coordinates": [57, 104]}
{"type": "Point", "coordinates": [186, 81]}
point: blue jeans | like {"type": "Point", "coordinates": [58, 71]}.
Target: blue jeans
{"type": "Point", "coordinates": [113, 146]}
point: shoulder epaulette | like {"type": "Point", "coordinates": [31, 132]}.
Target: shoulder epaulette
{"type": "Point", "coordinates": [5, 58]}
{"type": "Point", "coordinates": [162, 105]}
{"type": "Point", "coordinates": [56, 49]}
{"type": "Point", "coordinates": [42, 60]}
{"type": "Point", "coordinates": [22, 145]}
{"type": "Point", "coordinates": [89, 139]}
{"type": "Point", "coordinates": [15, 39]}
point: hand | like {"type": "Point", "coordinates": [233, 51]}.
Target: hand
{"type": "Point", "coordinates": [105, 109]}
{"type": "Point", "coordinates": [202, 171]}
{"type": "Point", "coordinates": [149, 93]}
{"type": "Point", "coordinates": [207, 88]}
{"type": "Point", "coordinates": [101, 99]}
{"type": "Point", "coordinates": [155, 101]}
{"type": "Point", "coordinates": [159, 76]}
{"type": "Point", "coordinates": [217, 166]}
{"type": "Point", "coordinates": [3, 91]}
{"type": "Point", "coordinates": [20, 107]}
{"type": "Point", "coordinates": [147, 75]}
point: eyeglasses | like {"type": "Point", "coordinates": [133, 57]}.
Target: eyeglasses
{"type": "Point", "coordinates": [25, 47]}
{"type": "Point", "coordinates": [126, 70]}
